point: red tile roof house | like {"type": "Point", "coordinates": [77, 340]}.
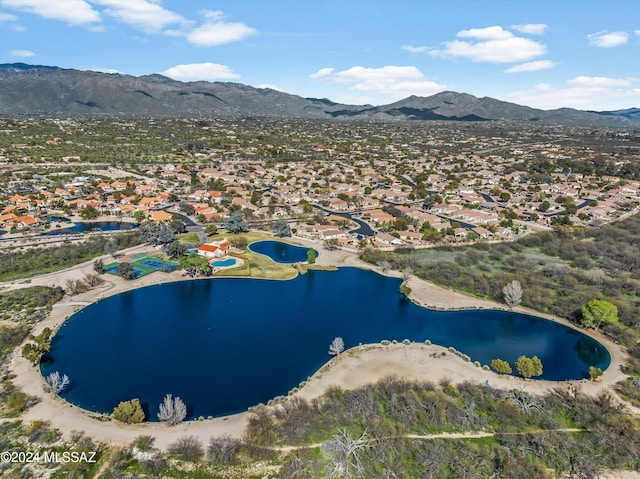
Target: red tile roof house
{"type": "Point", "coordinates": [22, 222]}
{"type": "Point", "coordinates": [215, 249]}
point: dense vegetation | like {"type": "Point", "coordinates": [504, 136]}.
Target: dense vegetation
{"type": "Point", "coordinates": [395, 429]}
{"type": "Point", "coordinates": [531, 435]}
{"type": "Point", "coordinates": [559, 270]}
{"type": "Point", "coordinates": [35, 261]}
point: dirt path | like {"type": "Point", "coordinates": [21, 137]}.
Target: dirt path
{"type": "Point", "coordinates": [430, 437]}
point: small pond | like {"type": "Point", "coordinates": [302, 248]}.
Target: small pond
{"type": "Point", "coordinates": [225, 344]}
{"type": "Point", "coordinates": [280, 252]}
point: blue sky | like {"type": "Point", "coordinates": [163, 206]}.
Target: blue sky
{"type": "Point", "coordinates": [546, 54]}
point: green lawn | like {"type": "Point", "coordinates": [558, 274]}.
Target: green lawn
{"type": "Point", "coordinates": [256, 265]}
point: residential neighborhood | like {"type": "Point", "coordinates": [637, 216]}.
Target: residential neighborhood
{"type": "Point", "coordinates": [379, 185]}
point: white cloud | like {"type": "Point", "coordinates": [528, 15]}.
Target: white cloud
{"type": "Point", "coordinates": [491, 44]}
{"type": "Point", "coordinates": [394, 82]}
{"type": "Point", "coordinates": [531, 66]}
{"type": "Point", "coordinates": [600, 82]}
{"type": "Point", "coordinates": [74, 12]}
{"type": "Point", "coordinates": [323, 72]}
{"type": "Point", "coordinates": [100, 70]}
{"type": "Point", "coordinates": [200, 71]}
{"type": "Point", "coordinates": [218, 33]}
{"type": "Point", "coordinates": [608, 39]}
{"type": "Point", "coordinates": [583, 92]}
{"type": "Point", "coordinates": [637, 32]}
{"type": "Point", "coordinates": [531, 28]}
{"type": "Point", "coordinates": [412, 49]}
{"type": "Point", "coordinates": [146, 15]}
{"type": "Point", "coordinates": [488, 33]}
{"type": "Point", "coordinates": [7, 17]}
{"type": "Point", "coordinates": [22, 53]}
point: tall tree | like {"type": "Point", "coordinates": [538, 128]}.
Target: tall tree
{"type": "Point", "coordinates": [597, 311]}
{"type": "Point", "coordinates": [235, 223]}
{"type": "Point", "coordinates": [281, 228]}
{"type": "Point", "coordinates": [56, 382]}
{"type": "Point", "coordinates": [529, 367]}
{"type": "Point", "coordinates": [311, 256]}
{"type": "Point", "coordinates": [512, 293]}
{"type": "Point", "coordinates": [336, 347]}
{"type": "Point", "coordinates": [126, 271]}
{"type": "Point", "coordinates": [176, 249]}
{"type": "Point", "coordinates": [172, 410]}
{"type": "Point", "coordinates": [129, 412]}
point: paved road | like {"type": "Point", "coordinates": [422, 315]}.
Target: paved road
{"type": "Point", "coordinates": [192, 226]}
{"type": "Point", "coordinates": [364, 229]}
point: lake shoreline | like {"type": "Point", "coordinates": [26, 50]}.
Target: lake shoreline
{"type": "Point", "coordinates": [356, 367]}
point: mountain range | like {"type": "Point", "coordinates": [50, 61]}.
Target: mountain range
{"type": "Point", "coordinates": [37, 90]}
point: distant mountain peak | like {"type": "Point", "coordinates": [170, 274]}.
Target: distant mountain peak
{"type": "Point", "coordinates": [49, 91]}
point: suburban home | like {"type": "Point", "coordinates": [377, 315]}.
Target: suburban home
{"type": "Point", "coordinates": [24, 222]}
{"type": "Point", "coordinates": [159, 216]}
{"type": "Point", "coordinates": [215, 249]}
{"type": "Point", "coordinates": [387, 239]}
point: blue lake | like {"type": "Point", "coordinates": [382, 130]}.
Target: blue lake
{"type": "Point", "coordinates": [280, 252]}
{"type": "Point", "coordinates": [84, 227]}
{"type": "Point", "coordinates": [225, 344]}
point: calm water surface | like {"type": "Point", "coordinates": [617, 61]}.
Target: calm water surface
{"type": "Point", "coordinates": [280, 252]}
{"type": "Point", "coordinates": [83, 227]}
{"type": "Point", "coordinates": [223, 345]}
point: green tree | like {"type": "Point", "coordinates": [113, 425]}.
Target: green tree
{"type": "Point", "coordinates": [89, 213]}
{"type": "Point", "coordinates": [186, 208]}
{"type": "Point", "coordinates": [529, 367]}
{"type": "Point", "coordinates": [500, 366]}
{"type": "Point", "coordinates": [211, 230]}
{"type": "Point", "coordinates": [98, 266]}
{"type": "Point", "coordinates": [138, 216]}
{"type": "Point", "coordinates": [176, 250]}
{"type": "Point", "coordinates": [311, 256]}
{"type": "Point", "coordinates": [235, 224]}
{"type": "Point", "coordinates": [129, 412]}
{"type": "Point", "coordinates": [405, 289]}
{"type": "Point", "coordinates": [194, 264]}
{"type": "Point", "coordinates": [597, 311]}
{"type": "Point", "coordinates": [37, 346]}
{"type": "Point", "coordinates": [595, 373]}
{"type": "Point", "coordinates": [126, 271]}
{"type": "Point", "coordinates": [544, 206]}
{"type": "Point", "coordinates": [281, 228]}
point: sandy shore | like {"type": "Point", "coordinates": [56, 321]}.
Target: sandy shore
{"type": "Point", "coordinates": [354, 368]}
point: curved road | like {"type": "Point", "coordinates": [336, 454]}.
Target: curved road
{"type": "Point", "coordinates": [364, 229]}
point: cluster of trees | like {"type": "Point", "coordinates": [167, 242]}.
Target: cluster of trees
{"type": "Point", "coordinates": [172, 410]}
{"type": "Point", "coordinates": [526, 367]}
{"type": "Point", "coordinates": [37, 346]}
{"type": "Point", "coordinates": [77, 286]}
{"type": "Point", "coordinates": [159, 233]}
{"type": "Point", "coordinates": [40, 260]}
